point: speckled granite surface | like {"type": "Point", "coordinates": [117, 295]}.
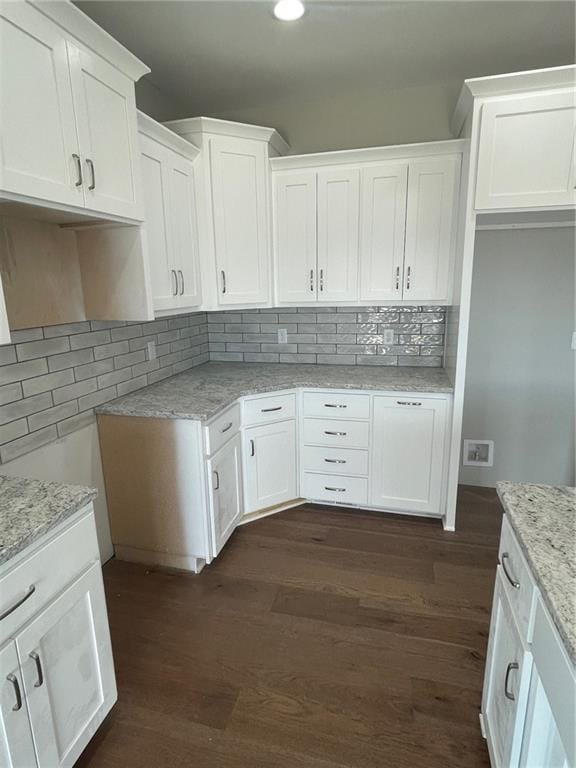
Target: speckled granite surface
{"type": "Point", "coordinates": [30, 508]}
{"type": "Point", "coordinates": [544, 519]}
{"type": "Point", "coordinates": [202, 392]}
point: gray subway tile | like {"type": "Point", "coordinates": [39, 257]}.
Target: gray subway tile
{"type": "Point", "coordinates": [127, 332]}
{"type": "Point", "coordinates": [70, 359]}
{"type": "Point", "coordinates": [260, 338]}
{"type": "Point", "coordinates": [309, 317]}
{"type": "Point", "coordinates": [357, 328]}
{"type": "Point", "coordinates": [146, 367]}
{"type": "Point", "coordinates": [224, 317]}
{"type": "Point", "coordinates": [28, 443]}
{"type": "Point", "coordinates": [243, 346]}
{"type": "Point", "coordinates": [13, 430]}
{"type": "Point", "coordinates": [261, 357]}
{"type": "Point", "coordinates": [92, 339]}
{"type": "Point", "coordinates": [164, 338]}
{"type": "Point", "coordinates": [242, 328]}
{"type": "Point", "coordinates": [110, 350]}
{"type": "Point", "coordinates": [181, 344]}
{"type": "Point", "coordinates": [174, 323]}
{"type": "Point", "coordinates": [376, 360]}
{"type": "Point", "coordinates": [159, 375]}
{"type": "Point", "coordinates": [425, 340]}
{"type": "Point", "coordinates": [7, 354]}
{"type": "Point", "coordinates": [66, 329]}
{"type": "Point", "coordinates": [26, 334]}
{"type": "Point", "coordinates": [74, 423]}
{"type": "Point", "coordinates": [21, 371]}
{"type": "Point", "coordinates": [34, 349]}
{"type": "Point", "coordinates": [256, 317]}
{"type": "Point", "coordinates": [97, 398]}
{"type": "Point", "coordinates": [73, 391]}
{"type": "Point", "coordinates": [433, 327]}
{"type": "Point", "coordinates": [227, 356]}
{"type": "Point", "coordinates": [141, 343]}
{"type": "Point", "coordinates": [356, 349]}
{"type": "Point", "coordinates": [301, 338]}
{"type": "Point", "coordinates": [52, 415]}
{"type": "Point", "coordinates": [397, 349]}
{"type": "Point", "coordinates": [336, 338]}
{"type": "Point", "coordinates": [421, 317]}
{"type": "Point", "coordinates": [21, 408]}
{"type": "Point", "coordinates": [10, 392]}
{"type": "Point", "coordinates": [297, 358]}
{"type": "Point", "coordinates": [336, 359]}
{"type": "Point", "coordinates": [429, 362]}
{"type": "Point", "coordinates": [122, 361]}
{"type": "Point", "coordinates": [316, 327]}
{"type": "Point", "coordinates": [115, 377]}
{"type": "Point", "coordinates": [129, 386]}
{"type": "Point", "coordinates": [90, 370]}
{"type": "Point", "coordinates": [274, 327]}
{"type": "Point", "coordinates": [281, 349]}
{"type": "Point", "coordinates": [317, 348]}
{"type": "Point", "coordinates": [47, 382]}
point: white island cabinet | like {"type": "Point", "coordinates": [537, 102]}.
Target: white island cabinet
{"type": "Point", "coordinates": [56, 670]}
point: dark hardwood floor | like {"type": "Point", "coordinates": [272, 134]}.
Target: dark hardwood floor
{"type": "Point", "coordinates": [319, 638]}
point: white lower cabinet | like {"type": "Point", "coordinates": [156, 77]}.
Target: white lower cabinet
{"type": "Point", "coordinates": [225, 495]}
{"type": "Point", "coordinates": [270, 465]}
{"type": "Point", "coordinates": [408, 453]}
{"type": "Point", "coordinates": [16, 743]}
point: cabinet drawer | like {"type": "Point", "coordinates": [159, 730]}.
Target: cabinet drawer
{"type": "Point", "coordinates": [332, 405]}
{"type": "Point", "coordinates": [338, 461]}
{"type": "Point", "coordinates": [222, 428]}
{"type": "Point", "coordinates": [345, 490]}
{"type": "Point", "coordinates": [48, 571]}
{"type": "Point", "coordinates": [518, 583]}
{"type": "Point", "coordinates": [347, 434]}
{"type": "Point", "coordinates": [265, 409]}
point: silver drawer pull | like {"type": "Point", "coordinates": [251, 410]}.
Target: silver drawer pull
{"type": "Point", "coordinates": [336, 434]}
{"type": "Point", "coordinates": [90, 165]}
{"type": "Point", "coordinates": [511, 579]}
{"type": "Point", "coordinates": [336, 490]}
{"type": "Point", "coordinates": [335, 461]}
{"type": "Point", "coordinates": [270, 410]}
{"type": "Point", "coordinates": [36, 659]}
{"type": "Point", "coordinates": [509, 668]}
{"type": "Point", "coordinates": [226, 428]}
{"type": "Point", "coordinates": [334, 405]}
{"type": "Point", "coordinates": [78, 182]}
{"type": "Point", "coordinates": [407, 402]}
{"type": "Point", "coordinates": [14, 680]}
{"type": "Point", "coordinates": [217, 478]}
{"type": "Point", "coordinates": [31, 590]}
{"type": "Point", "coordinates": [252, 448]}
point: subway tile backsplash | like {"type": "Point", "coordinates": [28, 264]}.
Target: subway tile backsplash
{"type": "Point", "coordinates": [52, 378]}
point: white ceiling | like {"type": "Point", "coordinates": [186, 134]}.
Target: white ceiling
{"type": "Point", "coordinates": [218, 57]}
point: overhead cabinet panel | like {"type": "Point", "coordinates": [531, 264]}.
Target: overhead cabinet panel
{"type": "Point", "coordinates": [39, 156]}
{"type": "Point", "coordinates": [295, 236]}
{"type": "Point", "coordinates": [526, 153]}
{"type": "Point", "coordinates": [239, 177]}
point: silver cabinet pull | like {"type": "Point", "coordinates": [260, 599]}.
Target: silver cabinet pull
{"type": "Point", "coordinates": [312, 280]}
{"type": "Point", "coordinates": [34, 656]}
{"type": "Point", "coordinates": [407, 402]}
{"type": "Point", "coordinates": [14, 680]}
{"type": "Point", "coordinates": [226, 428]}
{"type": "Point", "coordinates": [181, 274]}
{"type": "Point", "coordinates": [252, 448]}
{"type": "Point", "coordinates": [336, 434]}
{"type": "Point", "coordinates": [335, 461]}
{"type": "Point", "coordinates": [321, 280]}
{"type": "Point", "coordinates": [29, 593]}
{"type": "Point", "coordinates": [174, 281]}
{"type": "Point", "coordinates": [509, 668]}
{"type": "Point", "coordinates": [270, 410]}
{"type": "Point", "coordinates": [223, 275]}
{"type": "Point", "coordinates": [408, 276]}
{"type": "Point", "coordinates": [335, 490]}
{"type": "Point", "coordinates": [511, 579]}
{"type": "Point", "coordinates": [334, 405]}
{"type": "Point", "coordinates": [90, 165]}
{"type": "Point", "coordinates": [217, 477]}
{"type": "Point", "coordinates": [78, 162]}
{"type": "Point", "coordinates": [397, 278]}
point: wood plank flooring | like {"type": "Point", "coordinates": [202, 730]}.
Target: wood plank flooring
{"type": "Point", "coordinates": [320, 638]}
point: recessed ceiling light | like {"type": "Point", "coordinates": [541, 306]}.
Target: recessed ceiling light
{"type": "Point", "coordinates": [289, 10]}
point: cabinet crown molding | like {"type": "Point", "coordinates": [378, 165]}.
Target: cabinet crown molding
{"type": "Point", "coordinates": [504, 85]}
{"type": "Point", "coordinates": [196, 126]}
{"type": "Point", "coordinates": [76, 23]}
{"type": "Point", "coordinates": [370, 155]}
{"type": "Point", "coordinates": [158, 132]}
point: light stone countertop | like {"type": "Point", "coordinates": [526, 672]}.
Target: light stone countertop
{"type": "Point", "coordinates": [30, 508]}
{"type": "Point", "coordinates": [544, 520]}
{"type": "Point", "coordinates": [204, 391]}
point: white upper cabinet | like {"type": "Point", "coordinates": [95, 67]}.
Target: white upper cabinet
{"type": "Point", "coordinates": [430, 227]}
{"type": "Point", "coordinates": [68, 133]}
{"type": "Point", "coordinates": [171, 225]}
{"type": "Point", "coordinates": [295, 236]}
{"type": "Point", "coordinates": [526, 153]}
{"type": "Point", "coordinates": [239, 197]}
{"type": "Point", "coordinates": [338, 203]}
{"type": "Point", "coordinates": [382, 229]}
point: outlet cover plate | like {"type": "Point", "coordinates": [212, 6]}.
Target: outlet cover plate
{"type": "Point", "coordinates": [478, 453]}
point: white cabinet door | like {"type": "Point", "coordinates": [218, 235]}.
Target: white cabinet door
{"type": "Point", "coordinates": [408, 453]}
{"type": "Point", "coordinates": [382, 230]}
{"type": "Point", "coordinates": [506, 683]}
{"type": "Point", "coordinates": [163, 276]}
{"type": "Point", "coordinates": [106, 118]}
{"type": "Point", "coordinates": [37, 148]}
{"type": "Point", "coordinates": [239, 170]}
{"type": "Point", "coordinates": [183, 229]}
{"type": "Point", "coordinates": [225, 478]}
{"type": "Point", "coordinates": [16, 744]}
{"type": "Point", "coordinates": [338, 236]}
{"type": "Point", "coordinates": [541, 741]}
{"type": "Point", "coordinates": [526, 154]}
{"type": "Point", "coordinates": [270, 464]}
{"type": "Point", "coordinates": [68, 670]}
{"type": "Point", "coordinates": [430, 223]}
{"type": "Point", "coordinates": [295, 236]}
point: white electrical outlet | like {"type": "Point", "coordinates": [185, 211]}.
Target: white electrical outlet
{"type": "Point", "coordinates": [151, 350]}
{"type": "Point", "coordinates": [282, 336]}
{"type": "Point", "coordinates": [388, 336]}
{"type": "Point", "coordinates": [574, 340]}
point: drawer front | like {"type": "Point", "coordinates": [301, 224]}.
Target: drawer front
{"type": "Point", "coordinates": [336, 432]}
{"type": "Point", "coordinates": [339, 461]}
{"type": "Point", "coordinates": [266, 409]}
{"type": "Point", "coordinates": [37, 580]}
{"type": "Point", "coordinates": [332, 405]}
{"type": "Point", "coordinates": [341, 489]}
{"type": "Point", "coordinates": [224, 426]}
{"type": "Point", "coordinates": [518, 583]}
